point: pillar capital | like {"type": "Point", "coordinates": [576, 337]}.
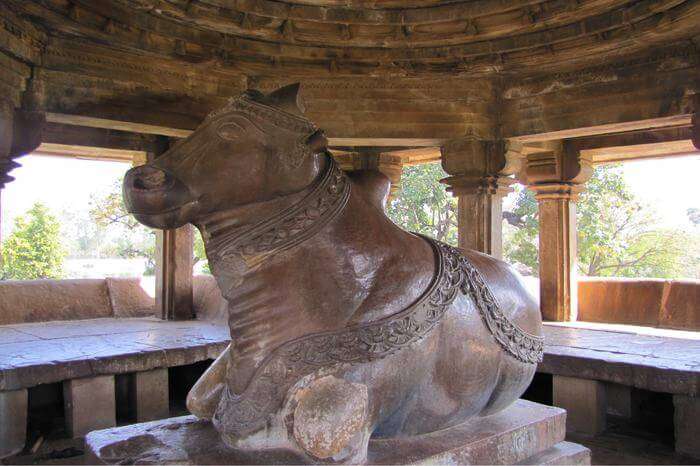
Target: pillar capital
{"type": "Point", "coordinates": [479, 179]}
{"type": "Point", "coordinates": [554, 162]}
{"type": "Point", "coordinates": [493, 185]}
{"type": "Point", "coordinates": [473, 157]}
{"type": "Point", "coordinates": [563, 191]}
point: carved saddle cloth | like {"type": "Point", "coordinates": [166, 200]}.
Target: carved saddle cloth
{"type": "Point", "coordinates": [243, 414]}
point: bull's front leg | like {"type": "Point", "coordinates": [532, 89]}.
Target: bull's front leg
{"type": "Point", "coordinates": [204, 396]}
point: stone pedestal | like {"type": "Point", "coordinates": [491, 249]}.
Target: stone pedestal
{"type": "Point", "coordinates": [525, 433]}
{"type": "Point", "coordinates": [13, 422]}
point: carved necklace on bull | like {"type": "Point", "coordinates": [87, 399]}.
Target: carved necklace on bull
{"type": "Point", "coordinates": [245, 413]}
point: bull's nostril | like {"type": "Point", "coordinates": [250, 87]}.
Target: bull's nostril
{"type": "Point", "coordinates": [149, 178]}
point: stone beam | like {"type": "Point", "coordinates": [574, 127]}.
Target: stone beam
{"type": "Point", "coordinates": [183, 132]}
{"type": "Point", "coordinates": [635, 145]}
{"type": "Point", "coordinates": [479, 178]}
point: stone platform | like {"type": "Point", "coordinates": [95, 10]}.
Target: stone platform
{"type": "Point", "coordinates": [525, 433]}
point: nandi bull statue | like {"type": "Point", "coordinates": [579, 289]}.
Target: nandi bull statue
{"type": "Point", "coordinates": [343, 326]}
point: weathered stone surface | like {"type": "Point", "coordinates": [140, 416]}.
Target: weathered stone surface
{"type": "Point", "coordinates": [128, 298]}
{"type": "Point", "coordinates": [584, 402]}
{"type": "Point", "coordinates": [151, 396]}
{"type": "Point", "coordinates": [32, 354]}
{"type": "Point", "coordinates": [13, 422]}
{"type": "Point", "coordinates": [328, 415]}
{"type": "Point", "coordinates": [656, 363]}
{"type": "Point", "coordinates": [654, 302]}
{"type": "Point", "coordinates": [208, 303]}
{"type": "Point", "coordinates": [45, 300]}
{"type": "Point", "coordinates": [620, 300]}
{"type": "Point", "coordinates": [515, 435]}
{"type": "Point", "coordinates": [619, 400]}
{"type": "Point", "coordinates": [680, 308]}
{"type": "Point", "coordinates": [561, 453]}
{"type": "Point", "coordinates": [89, 404]}
{"type": "Point", "coordinates": [687, 424]}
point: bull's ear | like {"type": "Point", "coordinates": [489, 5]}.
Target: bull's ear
{"type": "Point", "coordinates": [287, 98]}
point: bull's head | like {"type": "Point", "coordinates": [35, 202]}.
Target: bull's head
{"type": "Point", "coordinates": [256, 148]}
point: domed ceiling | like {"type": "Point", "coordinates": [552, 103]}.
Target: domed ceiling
{"type": "Point", "coordinates": [390, 37]}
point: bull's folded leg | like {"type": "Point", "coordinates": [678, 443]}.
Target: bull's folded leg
{"type": "Point", "coordinates": [204, 397]}
{"type": "Point", "coordinates": [331, 420]}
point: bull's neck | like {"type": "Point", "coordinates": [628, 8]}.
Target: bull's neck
{"type": "Point", "coordinates": [281, 275]}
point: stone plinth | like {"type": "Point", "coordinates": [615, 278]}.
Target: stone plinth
{"type": "Point", "coordinates": [526, 433]}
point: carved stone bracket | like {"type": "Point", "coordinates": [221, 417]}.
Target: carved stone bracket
{"type": "Point", "coordinates": [20, 134]}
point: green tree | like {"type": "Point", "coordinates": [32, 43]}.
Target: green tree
{"type": "Point", "coordinates": [617, 235]}
{"type": "Point", "coordinates": [33, 249]}
{"type": "Point", "coordinates": [133, 239]}
{"type": "Point", "coordinates": [423, 205]}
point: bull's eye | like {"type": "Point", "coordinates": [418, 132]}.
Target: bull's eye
{"type": "Point", "coordinates": [230, 131]}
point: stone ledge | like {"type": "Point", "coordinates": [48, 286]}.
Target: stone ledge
{"type": "Point", "coordinates": [525, 432]}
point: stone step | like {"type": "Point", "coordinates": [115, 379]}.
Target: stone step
{"type": "Point", "coordinates": [517, 434]}
{"type": "Point", "coordinates": [563, 453]}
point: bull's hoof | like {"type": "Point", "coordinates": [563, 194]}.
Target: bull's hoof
{"type": "Point", "coordinates": [330, 420]}
{"type": "Point", "coordinates": [204, 396]}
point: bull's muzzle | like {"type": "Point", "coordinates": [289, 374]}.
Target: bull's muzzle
{"type": "Point", "coordinates": [155, 197]}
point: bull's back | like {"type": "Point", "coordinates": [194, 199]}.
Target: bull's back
{"type": "Point", "coordinates": [460, 370]}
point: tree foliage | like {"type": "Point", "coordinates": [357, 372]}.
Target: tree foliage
{"type": "Point", "coordinates": [133, 239]}
{"type": "Point", "coordinates": [617, 234]}
{"type": "Point", "coordinates": [423, 205]}
{"type": "Point", "coordinates": [33, 250]}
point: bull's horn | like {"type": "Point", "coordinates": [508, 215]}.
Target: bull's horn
{"type": "Point", "coordinates": [287, 98]}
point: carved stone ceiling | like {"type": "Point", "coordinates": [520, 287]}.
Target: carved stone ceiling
{"type": "Point", "coordinates": [381, 38]}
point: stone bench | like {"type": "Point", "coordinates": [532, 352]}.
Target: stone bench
{"type": "Point", "coordinates": [85, 356]}
{"type": "Point", "coordinates": [26, 301]}
{"type": "Point", "coordinates": [596, 366]}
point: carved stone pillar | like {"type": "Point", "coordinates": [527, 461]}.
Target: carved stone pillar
{"type": "Point", "coordinates": [174, 295]}
{"type": "Point", "coordinates": [556, 176]}
{"type": "Point", "coordinates": [480, 179]}
{"type": "Point", "coordinates": [695, 131]}
{"type": "Point", "coordinates": [389, 164]}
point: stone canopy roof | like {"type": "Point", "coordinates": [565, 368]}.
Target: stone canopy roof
{"type": "Point", "coordinates": [373, 37]}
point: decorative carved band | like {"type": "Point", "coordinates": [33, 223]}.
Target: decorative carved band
{"type": "Point", "coordinates": [248, 412]}
{"type": "Point", "coordinates": [282, 232]}
{"type": "Point", "coordinates": [251, 108]}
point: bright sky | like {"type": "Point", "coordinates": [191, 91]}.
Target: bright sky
{"type": "Point", "coordinates": [61, 183]}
